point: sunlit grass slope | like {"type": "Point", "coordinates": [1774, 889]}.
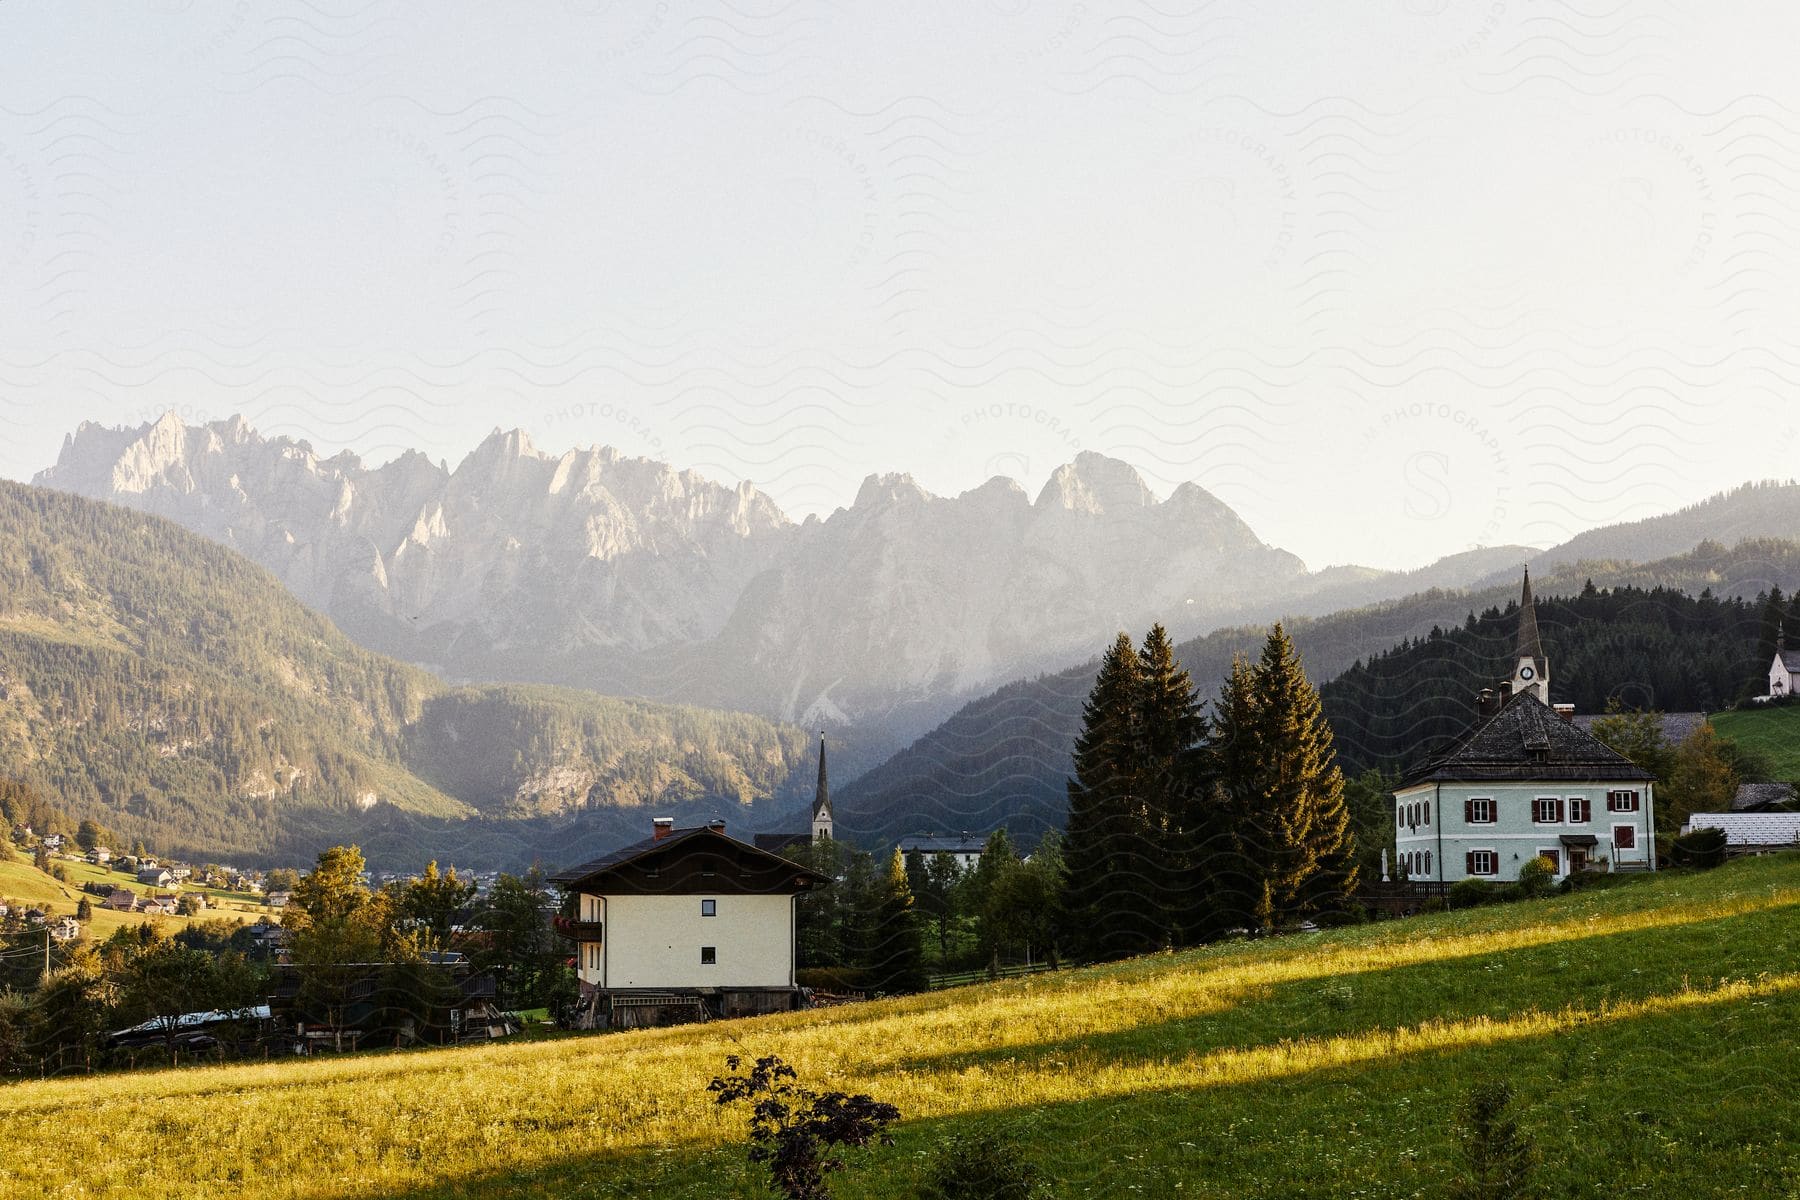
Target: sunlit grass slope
{"type": "Point", "coordinates": [1774, 731]}
{"type": "Point", "coordinates": [1650, 1032]}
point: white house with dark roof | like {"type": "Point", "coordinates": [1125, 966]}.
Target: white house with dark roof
{"type": "Point", "coordinates": [964, 850]}
{"type": "Point", "coordinates": [688, 920]}
{"type": "Point", "coordinates": [1525, 782]}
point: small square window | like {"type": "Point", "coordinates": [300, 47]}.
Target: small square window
{"type": "Point", "coordinates": [709, 908]}
{"type": "Point", "coordinates": [709, 955]}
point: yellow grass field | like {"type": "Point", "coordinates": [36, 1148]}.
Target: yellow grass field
{"type": "Point", "coordinates": [1649, 1031]}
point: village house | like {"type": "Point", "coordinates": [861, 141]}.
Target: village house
{"type": "Point", "coordinates": [100, 856]}
{"type": "Point", "coordinates": [685, 924]}
{"type": "Point", "coordinates": [154, 876]}
{"type": "Point", "coordinates": [53, 841]}
{"type": "Point", "coordinates": [278, 899]}
{"type": "Point", "coordinates": [121, 900]}
{"type": "Point", "coordinates": [65, 929]}
{"type": "Point", "coordinates": [963, 850]}
{"type": "Point", "coordinates": [1525, 782]}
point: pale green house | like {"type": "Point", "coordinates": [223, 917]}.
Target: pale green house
{"type": "Point", "coordinates": [1524, 782]}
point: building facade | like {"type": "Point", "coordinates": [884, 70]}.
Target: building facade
{"type": "Point", "coordinates": [685, 921]}
{"type": "Point", "coordinates": [1525, 782]}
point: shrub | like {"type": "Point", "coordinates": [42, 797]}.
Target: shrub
{"type": "Point", "coordinates": [1471, 893]}
{"type": "Point", "coordinates": [1497, 1158]}
{"type": "Point", "coordinates": [981, 1166]}
{"type": "Point", "coordinates": [1703, 848]}
{"type": "Point", "coordinates": [1537, 878]}
{"type": "Point", "coordinates": [796, 1131]}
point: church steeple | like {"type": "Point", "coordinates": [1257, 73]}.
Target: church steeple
{"type": "Point", "coordinates": [821, 817]}
{"type": "Point", "coordinates": [1531, 667]}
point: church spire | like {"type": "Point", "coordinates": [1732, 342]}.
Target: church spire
{"type": "Point", "coordinates": [1531, 668]}
{"type": "Point", "coordinates": [821, 818]}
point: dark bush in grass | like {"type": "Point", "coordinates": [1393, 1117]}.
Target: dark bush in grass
{"type": "Point", "coordinates": [1497, 1159]}
{"type": "Point", "coordinates": [1472, 893]}
{"type": "Point", "coordinates": [981, 1166]}
{"type": "Point", "coordinates": [1702, 848]}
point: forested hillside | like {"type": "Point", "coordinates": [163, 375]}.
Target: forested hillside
{"type": "Point", "coordinates": [173, 690]}
{"type": "Point", "coordinates": [1004, 759]}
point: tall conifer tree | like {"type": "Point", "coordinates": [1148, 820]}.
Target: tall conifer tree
{"type": "Point", "coordinates": [1104, 867]}
{"type": "Point", "coordinates": [1172, 731]}
{"type": "Point", "coordinates": [1283, 793]}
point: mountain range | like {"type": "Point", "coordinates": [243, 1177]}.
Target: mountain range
{"type": "Point", "coordinates": [175, 691]}
{"type": "Point", "coordinates": [626, 576]}
{"type": "Point", "coordinates": [1004, 758]}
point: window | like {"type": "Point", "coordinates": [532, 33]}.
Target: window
{"type": "Point", "coordinates": [709, 955]}
{"type": "Point", "coordinates": [1428, 862]}
{"type": "Point", "coordinates": [1478, 812]}
{"type": "Point", "coordinates": [1581, 810]}
{"type": "Point", "coordinates": [1621, 801]}
{"type": "Point", "coordinates": [1555, 857]}
{"type": "Point", "coordinates": [1625, 837]}
{"type": "Point", "coordinates": [1547, 810]}
{"type": "Point", "coordinates": [1425, 815]}
{"type": "Point", "coordinates": [1483, 862]}
{"type": "Point", "coordinates": [709, 908]}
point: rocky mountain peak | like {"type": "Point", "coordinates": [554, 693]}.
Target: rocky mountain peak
{"type": "Point", "coordinates": [1096, 484]}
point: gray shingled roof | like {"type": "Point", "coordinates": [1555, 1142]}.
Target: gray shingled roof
{"type": "Point", "coordinates": [1791, 660]}
{"type": "Point", "coordinates": [1752, 796]}
{"type": "Point", "coordinates": [1752, 829]}
{"type": "Point", "coordinates": [938, 843]}
{"type": "Point", "coordinates": [1527, 741]}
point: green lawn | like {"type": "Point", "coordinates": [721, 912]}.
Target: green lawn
{"type": "Point", "coordinates": [1774, 731]}
{"type": "Point", "coordinates": [1649, 1031]}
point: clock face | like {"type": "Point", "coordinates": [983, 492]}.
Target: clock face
{"type": "Point", "coordinates": [1527, 673]}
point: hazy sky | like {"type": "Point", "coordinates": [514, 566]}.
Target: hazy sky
{"type": "Point", "coordinates": [1392, 279]}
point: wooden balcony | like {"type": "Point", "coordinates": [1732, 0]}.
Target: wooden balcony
{"type": "Point", "coordinates": [578, 931]}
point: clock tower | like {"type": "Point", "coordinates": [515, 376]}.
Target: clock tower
{"type": "Point", "coordinates": [1531, 668]}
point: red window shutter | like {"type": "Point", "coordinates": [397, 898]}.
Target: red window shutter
{"type": "Point", "coordinates": [1468, 812]}
{"type": "Point", "coordinates": [1559, 812]}
{"type": "Point", "coordinates": [1634, 802]}
{"type": "Point", "coordinates": [1469, 863]}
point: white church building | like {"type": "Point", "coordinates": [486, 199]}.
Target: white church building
{"type": "Point", "coordinates": [1525, 782]}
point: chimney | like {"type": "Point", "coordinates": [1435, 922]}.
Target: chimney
{"type": "Point", "coordinates": [1484, 702]}
{"type": "Point", "coordinates": [1566, 712]}
{"type": "Point", "coordinates": [717, 824]}
{"type": "Point", "coordinates": [662, 827]}
{"type": "Point", "coordinates": [1506, 693]}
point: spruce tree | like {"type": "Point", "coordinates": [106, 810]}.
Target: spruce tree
{"type": "Point", "coordinates": [1104, 860]}
{"type": "Point", "coordinates": [1227, 834]}
{"type": "Point", "coordinates": [897, 959]}
{"type": "Point", "coordinates": [1286, 794]}
{"type": "Point", "coordinates": [1173, 730]}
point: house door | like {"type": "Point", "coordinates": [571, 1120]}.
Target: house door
{"type": "Point", "coordinates": [1577, 859]}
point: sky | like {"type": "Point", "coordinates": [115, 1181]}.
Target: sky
{"type": "Point", "coordinates": [1393, 279]}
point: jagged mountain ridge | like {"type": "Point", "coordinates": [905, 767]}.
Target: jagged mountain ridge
{"type": "Point", "coordinates": [624, 575]}
{"type": "Point", "coordinates": [177, 692]}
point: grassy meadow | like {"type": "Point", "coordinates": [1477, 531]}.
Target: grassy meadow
{"type": "Point", "coordinates": [1774, 731]}
{"type": "Point", "coordinates": [1651, 1032]}
{"type": "Point", "coordinates": [24, 883]}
